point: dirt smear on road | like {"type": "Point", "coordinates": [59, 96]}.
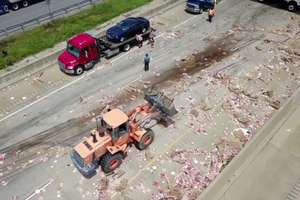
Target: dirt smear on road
{"type": "Point", "coordinates": [216, 51]}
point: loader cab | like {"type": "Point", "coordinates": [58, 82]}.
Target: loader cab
{"type": "Point", "coordinates": [116, 124]}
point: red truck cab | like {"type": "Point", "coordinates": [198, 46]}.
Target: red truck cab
{"type": "Point", "coordinates": [81, 54]}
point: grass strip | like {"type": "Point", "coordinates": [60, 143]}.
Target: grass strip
{"type": "Point", "coordinates": [46, 36]}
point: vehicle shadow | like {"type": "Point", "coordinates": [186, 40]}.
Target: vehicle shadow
{"type": "Point", "coordinates": [280, 4]}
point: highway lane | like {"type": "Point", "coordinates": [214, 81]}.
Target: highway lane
{"type": "Point", "coordinates": [65, 91]}
{"type": "Point", "coordinates": [33, 11]}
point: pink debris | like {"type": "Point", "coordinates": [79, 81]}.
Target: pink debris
{"type": "Point", "coordinates": [2, 156]}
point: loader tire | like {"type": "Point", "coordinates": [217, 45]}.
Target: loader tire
{"type": "Point", "coordinates": [146, 140]}
{"type": "Point", "coordinates": [110, 162]}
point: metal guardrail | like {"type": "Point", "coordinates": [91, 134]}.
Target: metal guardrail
{"type": "Point", "coordinates": [45, 18]}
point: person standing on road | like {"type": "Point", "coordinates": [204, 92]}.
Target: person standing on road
{"type": "Point", "coordinates": [211, 13]}
{"type": "Point", "coordinates": [139, 39]}
{"type": "Point", "coordinates": [151, 37]}
{"type": "Point", "coordinates": [146, 62]}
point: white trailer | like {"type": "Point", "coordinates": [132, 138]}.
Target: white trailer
{"type": "Point", "coordinates": [16, 4]}
{"type": "Point", "coordinates": [293, 5]}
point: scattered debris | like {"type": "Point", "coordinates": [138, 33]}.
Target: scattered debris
{"type": "Point", "coordinates": [268, 93]}
{"type": "Point", "coordinates": [258, 48]}
{"type": "Point", "coordinates": [122, 185]}
{"type": "Point", "coordinates": [205, 104]}
{"type": "Point", "coordinates": [119, 173]}
{"type": "Point", "coordinates": [241, 117]}
{"type": "Point", "coordinates": [275, 104]}
{"type": "Point", "coordinates": [2, 156]}
{"type": "Point", "coordinates": [148, 154]}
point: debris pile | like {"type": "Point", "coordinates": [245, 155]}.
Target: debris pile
{"type": "Point", "coordinates": [199, 168]}
{"type": "Point", "coordinates": [102, 188]}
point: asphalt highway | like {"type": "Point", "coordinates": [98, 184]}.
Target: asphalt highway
{"type": "Point", "coordinates": [25, 14]}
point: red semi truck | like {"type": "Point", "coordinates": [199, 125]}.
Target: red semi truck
{"type": "Point", "coordinates": [84, 51]}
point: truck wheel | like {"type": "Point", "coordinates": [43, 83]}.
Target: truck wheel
{"type": "Point", "coordinates": [15, 6]}
{"type": "Point", "coordinates": [292, 6]}
{"type": "Point", "coordinates": [110, 162]}
{"type": "Point", "coordinates": [5, 8]}
{"type": "Point", "coordinates": [126, 47]}
{"type": "Point", "coordinates": [146, 140]}
{"type": "Point", "coordinates": [79, 70]}
{"type": "Point", "coordinates": [25, 4]}
{"type": "Point", "coordinates": [144, 30]}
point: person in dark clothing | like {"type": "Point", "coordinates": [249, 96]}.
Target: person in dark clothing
{"type": "Point", "coordinates": [146, 62]}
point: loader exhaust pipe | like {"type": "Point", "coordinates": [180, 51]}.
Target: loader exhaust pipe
{"type": "Point", "coordinates": [99, 127]}
{"type": "Point", "coordinates": [94, 137]}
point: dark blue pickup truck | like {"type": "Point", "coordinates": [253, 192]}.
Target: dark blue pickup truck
{"type": "Point", "coordinates": [197, 6]}
{"type": "Point", "coordinates": [3, 7]}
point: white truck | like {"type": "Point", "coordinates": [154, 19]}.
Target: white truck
{"type": "Point", "coordinates": [16, 4]}
{"type": "Point", "coordinates": [291, 5]}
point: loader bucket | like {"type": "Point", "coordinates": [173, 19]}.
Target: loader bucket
{"type": "Point", "coordinates": [161, 102]}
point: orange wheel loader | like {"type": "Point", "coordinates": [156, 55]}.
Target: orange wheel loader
{"type": "Point", "coordinates": [116, 131]}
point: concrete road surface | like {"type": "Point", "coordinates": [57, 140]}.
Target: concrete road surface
{"type": "Point", "coordinates": [44, 115]}
{"type": "Point", "coordinates": [270, 170]}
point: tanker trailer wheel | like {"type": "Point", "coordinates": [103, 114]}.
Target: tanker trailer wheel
{"type": "Point", "coordinates": [110, 162]}
{"type": "Point", "coordinates": [146, 140]}
{"type": "Point", "coordinates": [25, 4]}
{"type": "Point", "coordinates": [5, 8]}
{"type": "Point", "coordinates": [15, 6]}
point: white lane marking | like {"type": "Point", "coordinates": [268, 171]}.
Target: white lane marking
{"type": "Point", "coordinates": [131, 82]}
{"type": "Point", "coordinates": [83, 76]}
{"type": "Point", "coordinates": [37, 191]}
{"type": "Point", "coordinates": [186, 21]}
{"type": "Point", "coordinates": [42, 98]}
